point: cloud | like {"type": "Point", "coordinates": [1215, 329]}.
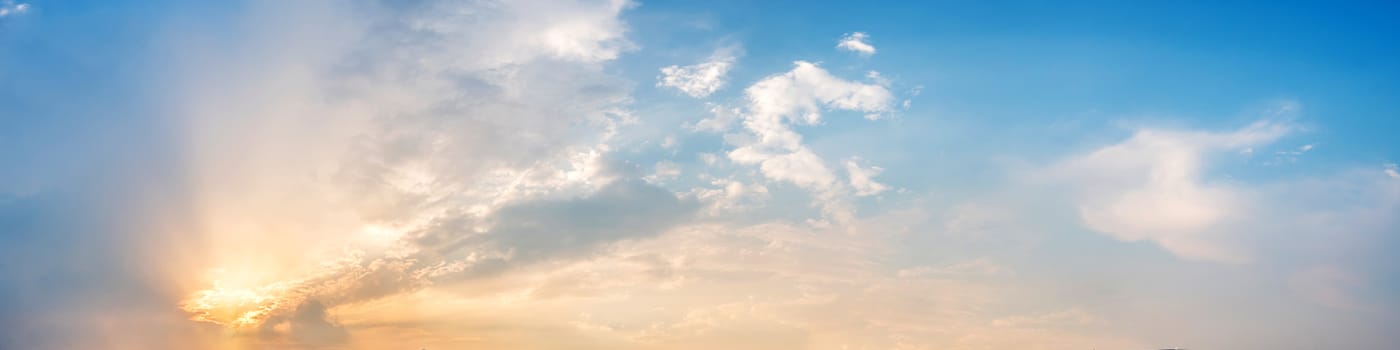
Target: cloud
{"type": "Point", "coordinates": [730, 195]}
{"type": "Point", "coordinates": [457, 175]}
{"type": "Point", "coordinates": [309, 324]}
{"type": "Point", "coordinates": [1151, 187]}
{"type": "Point", "coordinates": [800, 95]}
{"type": "Point", "coordinates": [435, 141]}
{"type": "Point", "coordinates": [768, 286]}
{"type": "Point", "coordinates": [492, 35]}
{"type": "Point", "coordinates": [797, 97]}
{"type": "Point", "coordinates": [862, 179]}
{"type": "Point", "coordinates": [449, 249]}
{"type": "Point", "coordinates": [664, 170]}
{"type": "Point", "coordinates": [11, 8]}
{"type": "Point", "coordinates": [721, 119]}
{"type": "Point", "coordinates": [1160, 186]}
{"type": "Point", "coordinates": [341, 153]}
{"type": "Point", "coordinates": [800, 167]}
{"type": "Point", "coordinates": [1392, 170]}
{"type": "Point", "coordinates": [856, 42]}
{"type": "Point", "coordinates": [700, 79]}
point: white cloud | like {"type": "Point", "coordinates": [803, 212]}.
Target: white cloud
{"type": "Point", "coordinates": [720, 120]}
{"type": "Point", "coordinates": [798, 97]}
{"type": "Point", "coordinates": [1160, 186]}
{"type": "Point", "coordinates": [664, 170]}
{"type": "Point", "coordinates": [856, 42]}
{"type": "Point", "coordinates": [862, 179]}
{"type": "Point", "coordinates": [701, 79]}
{"type": "Point", "coordinates": [10, 8]}
{"type": "Point", "coordinates": [800, 167]}
{"type": "Point", "coordinates": [1151, 187]}
{"type": "Point", "coordinates": [729, 195]}
{"type": "Point", "coordinates": [1392, 170]}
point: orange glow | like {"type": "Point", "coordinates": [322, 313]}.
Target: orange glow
{"type": "Point", "coordinates": [235, 308]}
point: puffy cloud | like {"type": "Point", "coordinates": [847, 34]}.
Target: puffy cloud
{"type": "Point", "coordinates": [798, 97]}
{"type": "Point", "coordinates": [800, 167]}
{"type": "Point", "coordinates": [856, 42]}
{"type": "Point", "coordinates": [700, 79]}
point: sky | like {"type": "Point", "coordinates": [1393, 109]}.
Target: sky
{"type": "Point", "coordinates": [616, 174]}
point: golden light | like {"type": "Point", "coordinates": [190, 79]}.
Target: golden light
{"type": "Point", "coordinates": [235, 308]}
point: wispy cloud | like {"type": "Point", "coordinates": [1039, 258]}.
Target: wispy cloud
{"type": "Point", "coordinates": [11, 8]}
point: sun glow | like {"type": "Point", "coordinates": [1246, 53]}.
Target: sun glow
{"type": "Point", "coordinates": [233, 307]}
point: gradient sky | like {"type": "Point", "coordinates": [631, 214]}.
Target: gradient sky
{"type": "Point", "coordinates": [610, 174]}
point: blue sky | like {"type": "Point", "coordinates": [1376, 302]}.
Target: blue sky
{"type": "Point", "coordinates": [544, 174]}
